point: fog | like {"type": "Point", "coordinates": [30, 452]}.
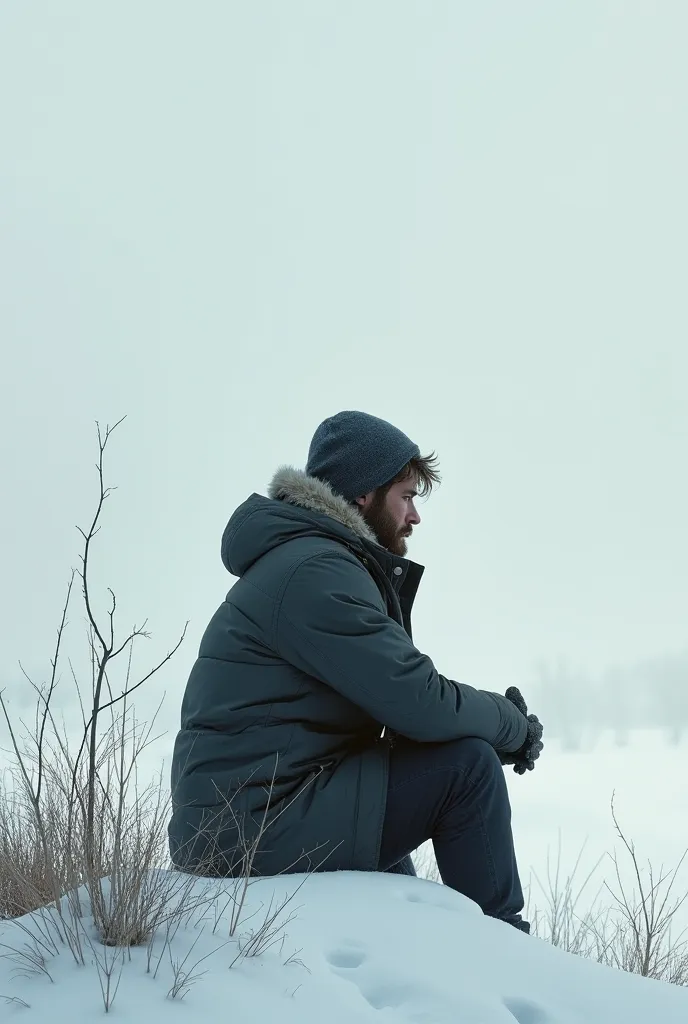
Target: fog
{"type": "Point", "coordinates": [229, 221]}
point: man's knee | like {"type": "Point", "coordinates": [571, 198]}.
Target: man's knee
{"type": "Point", "coordinates": [468, 758]}
{"type": "Point", "coordinates": [473, 752]}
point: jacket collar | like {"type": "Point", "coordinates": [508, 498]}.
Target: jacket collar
{"type": "Point", "coordinates": [298, 488]}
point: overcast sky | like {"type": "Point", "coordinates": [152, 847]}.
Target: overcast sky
{"type": "Point", "coordinates": [230, 220]}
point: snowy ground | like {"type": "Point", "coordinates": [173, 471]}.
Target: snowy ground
{"type": "Point", "coordinates": [361, 947]}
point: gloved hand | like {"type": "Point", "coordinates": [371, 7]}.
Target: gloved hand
{"type": "Point", "coordinates": [531, 749]}
{"type": "Point", "coordinates": [524, 759]}
{"type": "Point", "coordinates": [516, 697]}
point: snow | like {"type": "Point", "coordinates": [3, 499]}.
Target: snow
{"type": "Point", "coordinates": [359, 947]}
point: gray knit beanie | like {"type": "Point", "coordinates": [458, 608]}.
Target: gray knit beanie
{"type": "Point", "coordinates": [357, 453]}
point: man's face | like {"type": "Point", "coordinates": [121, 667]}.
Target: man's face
{"type": "Point", "coordinates": [393, 515]}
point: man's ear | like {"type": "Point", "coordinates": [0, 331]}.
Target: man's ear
{"type": "Point", "coordinates": [364, 500]}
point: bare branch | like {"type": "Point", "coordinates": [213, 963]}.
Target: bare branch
{"type": "Point", "coordinates": [88, 536]}
{"type": "Point", "coordinates": [111, 616]}
{"type": "Point", "coordinates": [136, 632]}
{"type": "Point", "coordinates": [53, 683]}
{"type": "Point", "coordinates": [170, 654]}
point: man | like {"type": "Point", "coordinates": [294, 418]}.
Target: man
{"type": "Point", "coordinates": [314, 733]}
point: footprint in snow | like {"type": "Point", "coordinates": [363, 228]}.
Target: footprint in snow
{"type": "Point", "coordinates": [526, 1012]}
{"type": "Point", "coordinates": [346, 957]}
{"type": "Point", "coordinates": [387, 997]}
{"type": "Point", "coordinates": [431, 898]}
{"type": "Point", "coordinates": [416, 1003]}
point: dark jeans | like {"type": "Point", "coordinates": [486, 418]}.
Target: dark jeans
{"type": "Point", "coordinates": [455, 794]}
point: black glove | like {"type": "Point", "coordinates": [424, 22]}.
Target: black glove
{"type": "Point", "coordinates": [524, 759]}
{"type": "Point", "coordinates": [531, 749]}
{"type": "Point", "coordinates": [516, 697]}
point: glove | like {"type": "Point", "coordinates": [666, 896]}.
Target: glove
{"type": "Point", "coordinates": [531, 749]}
{"type": "Point", "coordinates": [516, 697]}
{"type": "Point", "coordinates": [524, 759]}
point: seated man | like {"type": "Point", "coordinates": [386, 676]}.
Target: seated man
{"type": "Point", "coordinates": [314, 734]}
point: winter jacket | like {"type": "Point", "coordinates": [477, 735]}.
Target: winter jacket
{"type": "Point", "coordinates": [303, 666]}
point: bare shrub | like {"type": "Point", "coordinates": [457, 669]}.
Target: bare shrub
{"type": "Point", "coordinates": [81, 815]}
{"type": "Point", "coordinates": [25, 877]}
{"type": "Point", "coordinates": [561, 922]}
{"type": "Point", "coordinates": [646, 912]}
{"type": "Point", "coordinates": [83, 845]}
{"type": "Point", "coordinates": [630, 926]}
{"type": "Point", "coordinates": [78, 833]}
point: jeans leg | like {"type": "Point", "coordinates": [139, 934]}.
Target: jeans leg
{"type": "Point", "coordinates": [455, 794]}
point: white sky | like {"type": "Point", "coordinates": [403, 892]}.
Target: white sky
{"type": "Point", "coordinates": [231, 220]}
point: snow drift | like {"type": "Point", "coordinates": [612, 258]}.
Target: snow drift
{"type": "Point", "coordinates": [348, 947]}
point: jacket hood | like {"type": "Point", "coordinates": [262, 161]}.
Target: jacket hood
{"type": "Point", "coordinates": [297, 505]}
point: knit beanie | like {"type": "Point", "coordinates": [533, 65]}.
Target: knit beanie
{"type": "Point", "coordinates": [356, 453]}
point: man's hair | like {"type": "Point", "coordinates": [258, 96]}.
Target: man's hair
{"type": "Point", "coordinates": [425, 468]}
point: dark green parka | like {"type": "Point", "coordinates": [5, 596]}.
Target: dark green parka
{"type": "Point", "coordinates": [306, 660]}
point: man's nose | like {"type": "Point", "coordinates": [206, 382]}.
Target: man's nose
{"type": "Point", "coordinates": [414, 518]}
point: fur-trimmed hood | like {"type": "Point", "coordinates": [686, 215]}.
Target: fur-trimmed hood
{"type": "Point", "coordinates": [297, 505]}
{"type": "Point", "coordinates": [297, 488]}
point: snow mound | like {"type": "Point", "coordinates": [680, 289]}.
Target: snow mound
{"type": "Point", "coordinates": [360, 947]}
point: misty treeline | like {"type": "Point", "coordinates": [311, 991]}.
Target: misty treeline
{"type": "Point", "coordinates": [578, 706]}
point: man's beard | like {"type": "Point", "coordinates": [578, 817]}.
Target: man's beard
{"type": "Point", "coordinates": [388, 534]}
